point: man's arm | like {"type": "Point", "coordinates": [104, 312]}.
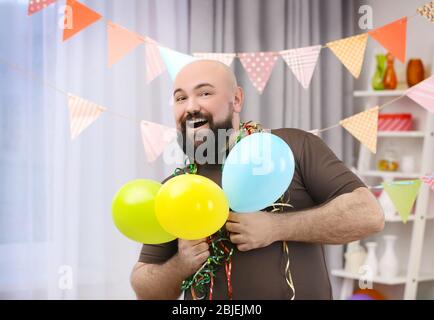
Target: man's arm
{"type": "Point", "coordinates": [346, 218]}
{"type": "Point", "coordinates": [163, 281]}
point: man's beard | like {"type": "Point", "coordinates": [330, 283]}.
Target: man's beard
{"type": "Point", "coordinates": [207, 145]}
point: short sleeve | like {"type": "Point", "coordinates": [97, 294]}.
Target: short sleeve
{"type": "Point", "coordinates": [158, 253]}
{"type": "Point", "coordinates": [324, 175]}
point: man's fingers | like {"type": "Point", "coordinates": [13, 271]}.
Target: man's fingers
{"type": "Point", "coordinates": [199, 248]}
{"type": "Point", "coordinates": [237, 238]}
{"type": "Point", "coordinates": [234, 217]}
{"type": "Point", "coordinates": [233, 227]}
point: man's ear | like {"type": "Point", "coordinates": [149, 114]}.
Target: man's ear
{"type": "Point", "coordinates": [238, 100]}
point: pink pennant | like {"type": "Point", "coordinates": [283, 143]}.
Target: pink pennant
{"type": "Point", "coordinates": [82, 113]}
{"type": "Point", "coordinates": [429, 180]}
{"type": "Point", "coordinates": [302, 62]}
{"type": "Point", "coordinates": [154, 63]}
{"type": "Point", "coordinates": [37, 5]}
{"type": "Point", "coordinates": [259, 66]}
{"type": "Point", "coordinates": [155, 138]}
{"type": "Point", "coordinates": [423, 94]}
{"type": "Point", "coordinates": [120, 42]}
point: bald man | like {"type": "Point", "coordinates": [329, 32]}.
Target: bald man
{"type": "Point", "coordinates": [330, 205]}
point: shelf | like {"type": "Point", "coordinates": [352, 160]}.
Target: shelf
{"type": "Point", "coordinates": [380, 280]}
{"type": "Point", "coordinates": [401, 134]}
{"type": "Point", "coordinates": [379, 93]}
{"type": "Point", "coordinates": [394, 175]}
{"type": "Point", "coordinates": [397, 218]}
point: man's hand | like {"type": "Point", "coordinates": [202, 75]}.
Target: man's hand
{"type": "Point", "coordinates": [192, 254]}
{"type": "Point", "coordinates": [251, 230]}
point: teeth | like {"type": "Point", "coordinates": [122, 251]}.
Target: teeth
{"type": "Point", "coordinates": [197, 120]}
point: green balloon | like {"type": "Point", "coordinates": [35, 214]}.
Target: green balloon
{"type": "Point", "coordinates": [134, 214]}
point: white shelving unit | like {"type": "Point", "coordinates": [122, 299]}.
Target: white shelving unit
{"type": "Point", "coordinates": [411, 236]}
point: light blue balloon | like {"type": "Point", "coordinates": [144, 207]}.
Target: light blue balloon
{"type": "Point", "coordinates": [257, 172]}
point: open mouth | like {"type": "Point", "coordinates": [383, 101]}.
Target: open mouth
{"type": "Point", "coordinates": [196, 123]}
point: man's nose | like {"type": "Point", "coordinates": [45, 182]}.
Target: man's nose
{"type": "Point", "coordinates": [192, 106]}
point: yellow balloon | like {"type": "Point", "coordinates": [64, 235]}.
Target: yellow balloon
{"type": "Point", "coordinates": [191, 207]}
{"type": "Point", "coordinates": [133, 211]}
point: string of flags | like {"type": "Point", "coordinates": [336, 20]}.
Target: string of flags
{"type": "Point", "coordinates": [258, 65]}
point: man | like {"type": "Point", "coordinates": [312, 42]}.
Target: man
{"type": "Point", "coordinates": [330, 205]}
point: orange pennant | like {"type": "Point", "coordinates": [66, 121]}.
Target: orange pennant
{"type": "Point", "coordinates": [81, 17]}
{"type": "Point", "coordinates": [393, 37]}
{"type": "Point", "coordinates": [120, 42]}
{"type": "Point", "coordinates": [364, 126]}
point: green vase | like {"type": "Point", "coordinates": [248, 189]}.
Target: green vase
{"type": "Point", "coordinates": [377, 79]}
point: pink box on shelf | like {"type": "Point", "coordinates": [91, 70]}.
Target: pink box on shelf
{"type": "Point", "coordinates": [395, 122]}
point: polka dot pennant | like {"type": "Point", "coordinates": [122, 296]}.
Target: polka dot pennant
{"type": "Point", "coordinates": [37, 5]}
{"type": "Point", "coordinates": [259, 66]}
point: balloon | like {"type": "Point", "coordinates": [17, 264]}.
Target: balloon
{"type": "Point", "coordinates": [191, 207]}
{"type": "Point", "coordinates": [134, 215]}
{"type": "Point", "coordinates": [257, 171]}
{"type": "Point", "coordinates": [360, 297]}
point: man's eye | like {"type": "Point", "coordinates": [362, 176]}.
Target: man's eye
{"type": "Point", "coordinates": [205, 94]}
{"type": "Point", "coordinates": [180, 99]}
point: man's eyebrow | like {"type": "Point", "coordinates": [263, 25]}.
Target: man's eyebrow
{"type": "Point", "coordinates": [200, 85]}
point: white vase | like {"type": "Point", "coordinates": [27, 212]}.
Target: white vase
{"type": "Point", "coordinates": [355, 256]}
{"type": "Point", "coordinates": [389, 261]}
{"type": "Point", "coordinates": [371, 261]}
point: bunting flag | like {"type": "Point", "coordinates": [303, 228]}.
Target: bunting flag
{"type": "Point", "coordinates": [155, 138]}
{"type": "Point", "coordinates": [225, 58]}
{"type": "Point", "coordinates": [37, 5]}
{"type": "Point", "coordinates": [351, 52]}
{"type": "Point", "coordinates": [258, 66]}
{"type": "Point", "coordinates": [427, 11]}
{"type": "Point", "coordinates": [423, 94]}
{"type": "Point", "coordinates": [154, 63]}
{"type": "Point", "coordinates": [120, 42]}
{"type": "Point", "coordinates": [403, 196]}
{"type": "Point", "coordinates": [302, 62]}
{"type": "Point", "coordinates": [82, 113]}
{"type": "Point", "coordinates": [429, 180]}
{"type": "Point", "coordinates": [81, 16]}
{"type": "Point", "coordinates": [393, 37]}
{"type": "Point", "coordinates": [175, 60]}
{"type": "Point", "coordinates": [363, 126]}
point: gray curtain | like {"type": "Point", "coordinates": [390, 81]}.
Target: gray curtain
{"type": "Point", "coordinates": [257, 25]}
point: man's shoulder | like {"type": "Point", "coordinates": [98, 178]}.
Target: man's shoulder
{"type": "Point", "coordinates": [294, 137]}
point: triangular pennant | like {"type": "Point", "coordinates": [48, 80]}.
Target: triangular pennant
{"type": "Point", "coordinates": [351, 52]}
{"type": "Point", "coordinates": [175, 60]}
{"type": "Point", "coordinates": [225, 58]}
{"type": "Point", "coordinates": [259, 66]}
{"type": "Point", "coordinates": [429, 180]}
{"type": "Point", "coordinates": [427, 11]}
{"type": "Point", "coordinates": [423, 94]}
{"type": "Point", "coordinates": [120, 42]}
{"type": "Point", "coordinates": [37, 5]}
{"type": "Point", "coordinates": [155, 138]}
{"type": "Point", "coordinates": [154, 63]}
{"type": "Point", "coordinates": [393, 37]}
{"type": "Point", "coordinates": [81, 16]}
{"type": "Point", "coordinates": [363, 126]}
{"type": "Point", "coordinates": [403, 194]}
{"type": "Point", "coordinates": [302, 62]}
{"type": "Point", "coordinates": [82, 113]}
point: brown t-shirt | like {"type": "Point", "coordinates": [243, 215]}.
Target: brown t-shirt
{"type": "Point", "coordinates": [259, 274]}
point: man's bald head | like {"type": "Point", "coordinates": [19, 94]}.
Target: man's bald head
{"type": "Point", "coordinates": [206, 70]}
